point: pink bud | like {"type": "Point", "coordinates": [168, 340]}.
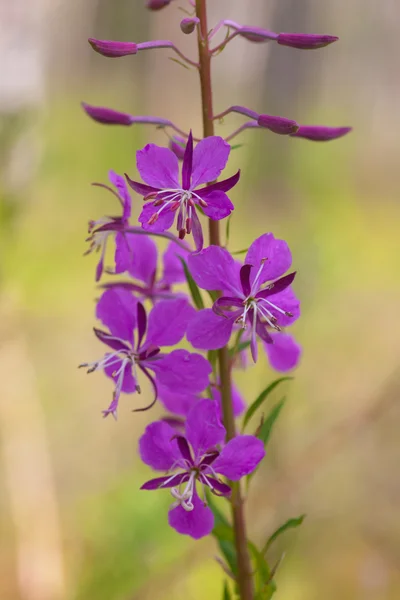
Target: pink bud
{"type": "Point", "coordinates": [113, 49]}
{"type": "Point", "coordinates": [279, 125]}
{"type": "Point", "coordinates": [107, 116]}
{"type": "Point", "coordinates": [177, 145]}
{"type": "Point", "coordinates": [157, 4]}
{"type": "Point", "coordinates": [305, 41]}
{"type": "Point", "coordinates": [188, 24]}
{"type": "Point", "coordinates": [319, 133]}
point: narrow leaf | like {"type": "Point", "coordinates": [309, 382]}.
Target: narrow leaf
{"type": "Point", "coordinates": [226, 593]}
{"type": "Point", "coordinates": [193, 287]}
{"type": "Point", "coordinates": [261, 398]}
{"type": "Point", "coordinates": [290, 524]}
{"type": "Point", "coordinates": [266, 429]}
{"type": "Point", "coordinates": [236, 146]}
{"type": "Point", "coordinates": [228, 229]}
{"type": "Point", "coordinates": [240, 251]}
{"type": "Point", "coordinates": [179, 62]}
{"type": "Point", "coordinates": [224, 535]}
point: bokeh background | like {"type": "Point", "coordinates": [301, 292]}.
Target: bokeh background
{"type": "Point", "coordinates": [73, 524]}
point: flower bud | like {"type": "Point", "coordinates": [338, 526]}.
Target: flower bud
{"type": "Point", "coordinates": [188, 24]}
{"type": "Point", "coordinates": [157, 4]}
{"type": "Point", "coordinates": [319, 133]}
{"type": "Point", "coordinates": [113, 49]}
{"type": "Point", "coordinates": [256, 34]}
{"type": "Point", "coordinates": [279, 125]}
{"type": "Point", "coordinates": [305, 41]}
{"type": "Point", "coordinates": [107, 116]}
{"type": "Point", "coordinates": [177, 144]}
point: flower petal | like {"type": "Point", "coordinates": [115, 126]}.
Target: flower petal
{"type": "Point", "coordinates": [116, 309]}
{"type": "Point", "coordinates": [178, 403]}
{"type": "Point", "coordinates": [204, 429]}
{"type": "Point", "coordinates": [239, 457]}
{"type": "Point", "coordinates": [197, 523]}
{"type": "Point", "coordinates": [187, 163]}
{"type": "Point", "coordinates": [181, 370]}
{"type": "Point", "coordinates": [143, 263]}
{"type": "Point", "coordinates": [218, 487]}
{"type": "Point", "coordinates": [119, 182]}
{"type": "Point", "coordinates": [284, 354]}
{"type": "Point", "coordinates": [197, 231]}
{"type": "Point", "coordinates": [218, 206]}
{"type": "Point", "coordinates": [173, 269]}
{"type": "Point", "coordinates": [209, 160]}
{"type": "Point", "coordinates": [164, 221]}
{"type": "Point", "coordinates": [128, 385]}
{"type": "Point", "coordinates": [208, 331]}
{"type": "Point", "coordinates": [276, 255]}
{"type": "Point", "coordinates": [165, 482]}
{"type": "Point", "coordinates": [158, 166]}
{"type": "Point", "coordinates": [221, 186]}
{"type": "Point", "coordinates": [287, 301]}
{"type": "Point", "coordinates": [215, 269]}
{"type": "Point", "coordinates": [237, 400]}
{"type": "Point", "coordinates": [168, 321]}
{"type": "Point", "coordinates": [157, 446]}
{"type": "Point", "coordinates": [141, 188]}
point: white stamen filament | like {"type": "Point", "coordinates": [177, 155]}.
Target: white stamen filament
{"type": "Point", "coordinates": [254, 285]}
{"type": "Point", "coordinates": [184, 498]}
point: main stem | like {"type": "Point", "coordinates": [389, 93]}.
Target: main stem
{"type": "Point", "coordinates": [245, 577]}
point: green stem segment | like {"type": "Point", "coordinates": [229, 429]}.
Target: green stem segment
{"type": "Point", "coordinates": [244, 577]}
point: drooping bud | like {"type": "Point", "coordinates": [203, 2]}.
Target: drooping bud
{"type": "Point", "coordinates": [319, 133]}
{"type": "Point", "coordinates": [112, 49]}
{"type": "Point", "coordinates": [107, 116]}
{"type": "Point", "coordinates": [305, 41]}
{"type": "Point", "coordinates": [188, 24]}
{"type": "Point", "coordinates": [157, 4]}
{"type": "Point", "coordinates": [256, 34]}
{"type": "Point", "coordinates": [177, 144]}
{"type": "Point", "coordinates": [279, 125]}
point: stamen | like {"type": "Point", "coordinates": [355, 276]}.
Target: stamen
{"type": "Point", "coordinates": [257, 277]}
{"type": "Point", "coordinates": [283, 312]}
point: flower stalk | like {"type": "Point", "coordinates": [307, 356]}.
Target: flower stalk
{"type": "Point", "coordinates": [244, 577]}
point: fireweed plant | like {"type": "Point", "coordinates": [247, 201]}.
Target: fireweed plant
{"type": "Point", "coordinates": [196, 450]}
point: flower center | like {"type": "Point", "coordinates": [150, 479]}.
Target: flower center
{"type": "Point", "coordinates": [175, 199]}
{"type": "Point", "coordinates": [185, 497]}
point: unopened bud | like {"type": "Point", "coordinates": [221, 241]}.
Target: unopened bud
{"type": "Point", "coordinates": [157, 4]}
{"type": "Point", "coordinates": [319, 133]}
{"type": "Point", "coordinates": [279, 125]}
{"type": "Point", "coordinates": [113, 49]}
{"type": "Point", "coordinates": [177, 145]}
{"type": "Point", "coordinates": [107, 116]}
{"type": "Point", "coordinates": [305, 41]}
{"type": "Point", "coordinates": [188, 24]}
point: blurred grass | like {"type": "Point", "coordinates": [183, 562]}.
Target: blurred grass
{"type": "Point", "coordinates": [345, 247]}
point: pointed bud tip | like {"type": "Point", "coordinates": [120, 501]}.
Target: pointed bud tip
{"type": "Point", "coordinates": [305, 41]}
{"type": "Point", "coordinates": [319, 133]}
{"type": "Point", "coordinates": [279, 125]}
{"type": "Point", "coordinates": [112, 49]}
{"type": "Point", "coordinates": [107, 116]}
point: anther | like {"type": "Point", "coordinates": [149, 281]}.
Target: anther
{"type": "Point", "coordinates": [152, 219]}
{"type": "Point", "coordinates": [182, 233]}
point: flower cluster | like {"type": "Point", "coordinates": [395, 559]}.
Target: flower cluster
{"type": "Point", "coordinates": [152, 300]}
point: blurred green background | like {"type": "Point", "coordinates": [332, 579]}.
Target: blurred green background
{"type": "Point", "coordinates": [73, 523]}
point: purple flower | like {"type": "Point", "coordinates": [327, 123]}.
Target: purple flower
{"type": "Point", "coordinates": [245, 301]}
{"type": "Point", "coordinates": [133, 349]}
{"type": "Point", "coordinates": [98, 231]}
{"type": "Point", "coordinates": [138, 255]}
{"type": "Point", "coordinates": [159, 168]}
{"type": "Point", "coordinates": [195, 458]}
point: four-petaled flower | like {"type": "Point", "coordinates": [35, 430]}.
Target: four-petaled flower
{"type": "Point", "coordinates": [245, 301]}
{"type": "Point", "coordinates": [166, 326]}
{"type": "Point", "coordinates": [159, 169]}
{"type": "Point", "coordinates": [138, 255]}
{"type": "Point", "coordinates": [99, 231]}
{"type": "Point", "coordinates": [197, 458]}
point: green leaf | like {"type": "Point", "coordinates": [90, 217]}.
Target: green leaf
{"type": "Point", "coordinates": [266, 428]}
{"type": "Point", "coordinates": [240, 251]}
{"type": "Point", "coordinates": [179, 62]}
{"type": "Point", "coordinates": [236, 146]}
{"type": "Point", "coordinates": [212, 356]}
{"type": "Point", "coordinates": [226, 595]}
{"type": "Point", "coordinates": [213, 295]}
{"type": "Point", "coordinates": [261, 398]}
{"type": "Point", "coordinates": [223, 533]}
{"type": "Point", "coordinates": [228, 229]}
{"type": "Point", "coordinates": [193, 287]}
{"type": "Point", "coordinates": [290, 524]}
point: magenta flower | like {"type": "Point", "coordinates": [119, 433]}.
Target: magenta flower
{"type": "Point", "coordinates": [159, 169]}
{"type": "Point", "coordinates": [245, 301]}
{"type": "Point", "coordinates": [138, 256]}
{"type": "Point", "coordinates": [98, 231]}
{"type": "Point", "coordinates": [134, 349]}
{"type": "Point", "coordinates": [195, 458]}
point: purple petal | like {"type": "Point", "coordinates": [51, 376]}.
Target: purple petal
{"type": "Point", "coordinates": [237, 400]}
{"type": "Point", "coordinates": [164, 221]}
{"type": "Point", "coordinates": [284, 354]}
{"type": "Point", "coordinates": [317, 133]}
{"type": "Point", "coordinates": [239, 457]}
{"type": "Point", "coordinates": [119, 182]}
{"type": "Point", "coordinates": [197, 231]}
{"type": "Point", "coordinates": [177, 145]}
{"type": "Point", "coordinates": [181, 370]}
{"type": "Point", "coordinates": [218, 206]}
{"type": "Point", "coordinates": [219, 488]}
{"type": "Point", "coordinates": [220, 186]}
{"type": "Point", "coordinates": [279, 125]}
{"type": "Point", "coordinates": [113, 49]}
{"type": "Point", "coordinates": [204, 429]}
{"type": "Point", "coordinates": [173, 269]}
{"type": "Point", "coordinates": [305, 41]}
{"type": "Point", "coordinates": [226, 302]}
{"type": "Point", "coordinates": [141, 188]}
{"type": "Point", "coordinates": [175, 402]}
{"type": "Point", "coordinates": [209, 160]}
{"type": "Point", "coordinates": [184, 449]}
{"type": "Point", "coordinates": [214, 269]}
{"type": "Point", "coordinates": [157, 446]}
{"type": "Point", "coordinates": [277, 286]}
{"type": "Point", "coordinates": [110, 340]}
{"type": "Point", "coordinates": [276, 255]}
{"type": "Point", "coordinates": [168, 321]}
{"type": "Point", "coordinates": [143, 263]}
{"type": "Point", "coordinates": [208, 331]}
{"type": "Point", "coordinates": [187, 163]}
{"type": "Point", "coordinates": [197, 523]}
{"type": "Point", "coordinates": [287, 301]}
{"type": "Point", "coordinates": [128, 382]}
{"type": "Point", "coordinates": [141, 323]}
{"type": "Point", "coordinates": [116, 309]}
{"type": "Point", "coordinates": [107, 116]}
{"type": "Point", "coordinates": [165, 482]}
{"type": "Point", "coordinates": [245, 279]}
{"type": "Point", "coordinates": [158, 166]}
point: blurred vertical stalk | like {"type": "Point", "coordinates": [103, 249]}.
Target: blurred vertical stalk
{"type": "Point", "coordinates": [244, 576]}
